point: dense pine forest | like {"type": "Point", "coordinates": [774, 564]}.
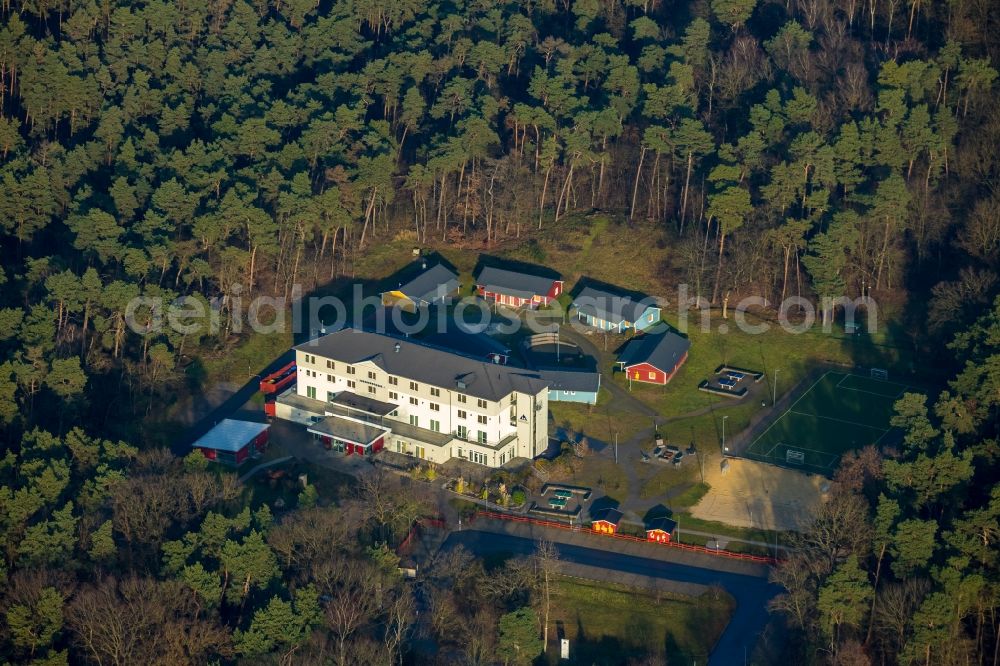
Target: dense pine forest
{"type": "Point", "coordinates": [798, 147]}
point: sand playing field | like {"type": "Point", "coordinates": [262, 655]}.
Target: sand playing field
{"type": "Point", "coordinates": [753, 494]}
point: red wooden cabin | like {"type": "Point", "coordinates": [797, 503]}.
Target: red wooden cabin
{"type": "Point", "coordinates": [605, 521]}
{"type": "Point", "coordinates": [661, 530]}
{"type": "Point", "coordinates": [516, 289]}
{"type": "Point", "coordinates": [654, 358]}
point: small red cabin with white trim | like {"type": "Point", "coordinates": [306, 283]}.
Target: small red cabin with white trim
{"type": "Point", "coordinates": [660, 530]}
{"type": "Point", "coordinates": [516, 289]}
{"type": "Point", "coordinates": [605, 521]}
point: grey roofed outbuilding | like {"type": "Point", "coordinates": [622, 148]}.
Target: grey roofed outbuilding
{"type": "Point", "coordinates": [230, 435]}
{"type": "Point", "coordinates": [609, 306]}
{"type": "Point", "coordinates": [661, 350]}
{"type": "Point", "coordinates": [434, 284]}
{"type": "Point", "coordinates": [429, 365]}
{"type": "Point", "coordinates": [523, 285]}
{"type": "Point", "coordinates": [572, 380]}
{"type": "Point", "coordinates": [347, 430]}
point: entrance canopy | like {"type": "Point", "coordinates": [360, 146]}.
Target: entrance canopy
{"type": "Point", "coordinates": [347, 430]}
{"type": "Point", "coordinates": [354, 402]}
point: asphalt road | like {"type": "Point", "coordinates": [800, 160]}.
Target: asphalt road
{"type": "Point", "coordinates": [751, 593]}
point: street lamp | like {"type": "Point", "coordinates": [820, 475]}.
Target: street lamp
{"type": "Point", "coordinates": [774, 388]}
{"type": "Point", "coordinates": [725, 449]}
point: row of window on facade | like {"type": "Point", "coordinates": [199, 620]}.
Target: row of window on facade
{"type": "Point", "coordinates": [477, 457]}
{"type": "Point", "coordinates": [393, 381]}
{"type": "Point", "coordinates": [433, 406]}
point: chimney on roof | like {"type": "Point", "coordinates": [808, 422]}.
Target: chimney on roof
{"type": "Point", "coordinates": [396, 347]}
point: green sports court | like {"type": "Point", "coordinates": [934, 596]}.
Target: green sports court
{"type": "Point", "coordinates": [840, 412]}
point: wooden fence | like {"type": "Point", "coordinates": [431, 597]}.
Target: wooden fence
{"type": "Point", "coordinates": [415, 529]}
{"type": "Point", "coordinates": [627, 537]}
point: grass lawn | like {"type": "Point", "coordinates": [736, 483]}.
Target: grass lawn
{"type": "Point", "coordinates": [600, 473]}
{"type": "Point", "coordinates": [600, 421]}
{"type": "Point", "coordinates": [705, 430]}
{"type": "Point", "coordinates": [665, 477]}
{"type": "Point", "coordinates": [687, 521]}
{"type": "Point", "coordinates": [691, 496]}
{"type": "Point", "coordinates": [246, 359]}
{"type": "Point", "coordinates": [610, 624]}
{"type": "Point", "coordinates": [598, 246]}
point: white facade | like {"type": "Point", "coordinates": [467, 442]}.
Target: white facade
{"type": "Point", "coordinates": [435, 423]}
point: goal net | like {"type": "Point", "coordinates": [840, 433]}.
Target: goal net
{"type": "Point", "coordinates": [879, 373]}
{"type": "Point", "coordinates": [796, 457]}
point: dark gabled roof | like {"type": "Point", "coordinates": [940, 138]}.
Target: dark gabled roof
{"type": "Point", "coordinates": [477, 345]}
{"type": "Point", "coordinates": [524, 285]}
{"type": "Point", "coordinates": [611, 306]}
{"type": "Point", "coordinates": [421, 363]}
{"type": "Point", "coordinates": [662, 523]}
{"type": "Point", "coordinates": [661, 350]}
{"type": "Point", "coordinates": [608, 515]}
{"type": "Point", "coordinates": [363, 403]}
{"type": "Point", "coordinates": [571, 380]}
{"type": "Point", "coordinates": [432, 284]}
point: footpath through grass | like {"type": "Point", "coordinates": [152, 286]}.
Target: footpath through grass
{"type": "Point", "coordinates": [608, 623]}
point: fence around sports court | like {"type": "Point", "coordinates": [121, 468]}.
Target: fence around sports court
{"type": "Point", "coordinates": [740, 445]}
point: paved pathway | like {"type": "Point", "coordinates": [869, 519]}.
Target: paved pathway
{"type": "Point", "coordinates": [722, 538]}
{"type": "Point", "coordinates": [298, 443]}
{"type": "Point", "coordinates": [605, 360]}
{"type": "Point", "coordinates": [264, 465]}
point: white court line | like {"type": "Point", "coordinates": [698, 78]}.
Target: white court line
{"type": "Point", "coordinates": [833, 418]}
{"type": "Point", "coordinates": [881, 395]}
{"type": "Point", "coordinates": [802, 448]}
{"type": "Point", "coordinates": [768, 454]}
{"type": "Point", "coordinates": [881, 436]}
{"type": "Point", "coordinates": [902, 390]}
{"type": "Point", "coordinates": [787, 411]}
